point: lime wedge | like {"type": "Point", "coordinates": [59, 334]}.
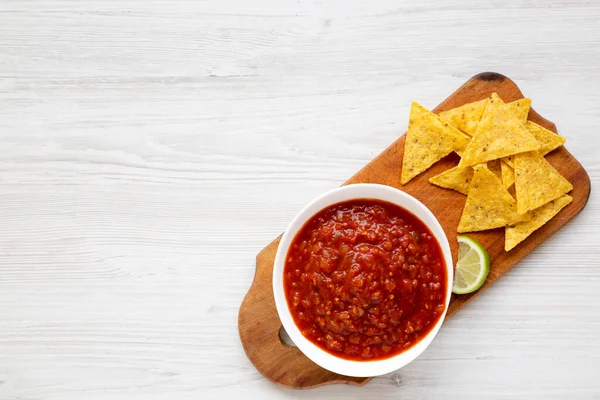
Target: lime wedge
{"type": "Point", "coordinates": [472, 267]}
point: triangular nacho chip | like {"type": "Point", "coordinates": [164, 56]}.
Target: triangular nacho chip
{"type": "Point", "coordinates": [548, 140]}
{"type": "Point", "coordinates": [467, 117]}
{"type": "Point", "coordinates": [520, 108]}
{"type": "Point", "coordinates": [515, 234]}
{"type": "Point", "coordinates": [488, 204]}
{"type": "Point", "coordinates": [536, 181]}
{"type": "Point", "coordinates": [455, 178]}
{"type": "Point", "coordinates": [428, 140]}
{"type": "Point", "coordinates": [508, 174]}
{"type": "Point", "coordinates": [499, 134]}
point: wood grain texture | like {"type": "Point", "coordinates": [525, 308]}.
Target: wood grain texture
{"type": "Point", "coordinates": [149, 150]}
{"type": "Point", "coordinates": [258, 321]}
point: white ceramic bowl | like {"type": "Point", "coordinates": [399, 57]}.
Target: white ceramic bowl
{"type": "Point", "coordinates": [316, 354]}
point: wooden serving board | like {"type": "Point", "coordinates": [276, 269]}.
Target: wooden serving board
{"type": "Point", "coordinates": [258, 321]}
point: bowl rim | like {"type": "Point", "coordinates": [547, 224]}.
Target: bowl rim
{"type": "Point", "coordinates": [345, 193]}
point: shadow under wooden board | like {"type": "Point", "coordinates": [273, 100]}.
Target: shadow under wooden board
{"type": "Point", "coordinates": [258, 322]}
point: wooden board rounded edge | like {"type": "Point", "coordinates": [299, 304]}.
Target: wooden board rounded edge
{"type": "Point", "coordinates": [258, 322]}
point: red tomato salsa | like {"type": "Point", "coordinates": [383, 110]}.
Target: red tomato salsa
{"type": "Point", "coordinates": [365, 280]}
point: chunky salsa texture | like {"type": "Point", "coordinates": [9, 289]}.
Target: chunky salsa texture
{"type": "Point", "coordinates": [365, 280]}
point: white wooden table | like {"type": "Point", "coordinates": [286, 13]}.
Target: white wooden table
{"type": "Point", "coordinates": [149, 150]}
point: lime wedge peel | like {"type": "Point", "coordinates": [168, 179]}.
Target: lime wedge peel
{"type": "Point", "coordinates": [472, 267]}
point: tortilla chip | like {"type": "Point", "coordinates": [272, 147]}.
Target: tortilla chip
{"type": "Point", "coordinates": [428, 140]}
{"type": "Point", "coordinates": [520, 108]}
{"type": "Point", "coordinates": [494, 166]}
{"type": "Point", "coordinates": [488, 204]}
{"type": "Point", "coordinates": [467, 117]}
{"type": "Point", "coordinates": [508, 174]}
{"type": "Point", "coordinates": [499, 134]}
{"type": "Point", "coordinates": [536, 181]}
{"type": "Point", "coordinates": [515, 234]}
{"type": "Point", "coordinates": [548, 140]}
{"type": "Point", "coordinates": [455, 178]}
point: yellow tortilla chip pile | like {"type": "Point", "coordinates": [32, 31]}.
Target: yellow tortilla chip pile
{"type": "Point", "coordinates": [502, 170]}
